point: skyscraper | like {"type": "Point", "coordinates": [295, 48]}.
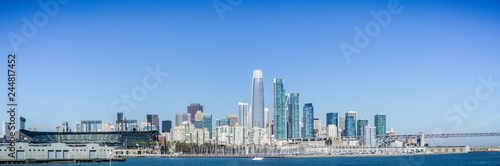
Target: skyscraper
{"type": "Point", "coordinates": [207, 123]}
{"type": "Point", "coordinates": [361, 124]}
{"type": "Point", "coordinates": [350, 126]}
{"type": "Point", "coordinates": [369, 138]}
{"type": "Point", "coordinates": [380, 124]}
{"type": "Point", "coordinates": [233, 119]}
{"type": "Point", "coordinates": [181, 117]}
{"type": "Point", "coordinates": [266, 115]}
{"type": "Point", "coordinates": [308, 118]}
{"type": "Point", "coordinates": [242, 113]}
{"type": "Point", "coordinates": [166, 125]}
{"type": "Point", "coordinates": [257, 106]}
{"type": "Point", "coordinates": [192, 109]}
{"type": "Point", "coordinates": [294, 116]}
{"type": "Point", "coordinates": [332, 118]}
{"type": "Point", "coordinates": [353, 114]}
{"type": "Point", "coordinates": [342, 124]}
{"type": "Point", "coordinates": [280, 117]}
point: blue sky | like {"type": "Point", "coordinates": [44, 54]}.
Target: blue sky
{"type": "Point", "coordinates": [426, 60]}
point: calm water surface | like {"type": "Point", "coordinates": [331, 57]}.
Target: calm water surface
{"type": "Point", "coordinates": [483, 158]}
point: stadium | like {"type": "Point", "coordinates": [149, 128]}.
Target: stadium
{"type": "Point", "coordinates": [119, 139]}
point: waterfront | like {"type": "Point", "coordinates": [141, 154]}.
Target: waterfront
{"type": "Point", "coordinates": [479, 158]}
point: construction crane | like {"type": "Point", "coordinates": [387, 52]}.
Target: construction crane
{"type": "Point", "coordinates": [34, 127]}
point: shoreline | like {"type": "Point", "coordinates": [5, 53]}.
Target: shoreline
{"type": "Point", "coordinates": [299, 156]}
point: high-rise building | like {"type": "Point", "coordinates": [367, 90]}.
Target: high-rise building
{"type": "Point", "coordinates": [65, 127]}
{"type": "Point", "coordinates": [361, 124]}
{"type": "Point", "coordinates": [331, 131]}
{"type": "Point", "coordinates": [342, 124]}
{"type": "Point", "coordinates": [240, 135]}
{"type": "Point", "coordinates": [353, 114]}
{"type": "Point", "coordinates": [380, 124]}
{"type": "Point", "coordinates": [280, 123]}
{"type": "Point", "coordinates": [192, 109]}
{"type": "Point", "coordinates": [198, 120]}
{"type": "Point", "coordinates": [5, 129]}
{"type": "Point", "coordinates": [207, 123]}
{"type": "Point", "coordinates": [222, 122]}
{"type": "Point", "coordinates": [257, 105]}
{"type": "Point", "coordinates": [106, 126]}
{"type": "Point", "coordinates": [332, 118]}
{"type": "Point", "coordinates": [350, 126]}
{"type": "Point", "coordinates": [266, 115]}
{"type": "Point", "coordinates": [308, 122]}
{"type": "Point", "coordinates": [166, 125]}
{"type": "Point", "coordinates": [79, 127]}
{"type": "Point", "coordinates": [23, 122]}
{"type": "Point", "coordinates": [233, 119]}
{"type": "Point", "coordinates": [369, 138]}
{"type": "Point", "coordinates": [181, 117]}
{"type": "Point", "coordinates": [154, 122]}
{"type": "Point", "coordinates": [242, 113]}
{"type": "Point", "coordinates": [294, 116]}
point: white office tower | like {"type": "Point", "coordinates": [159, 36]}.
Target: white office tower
{"type": "Point", "coordinates": [240, 135]}
{"type": "Point", "coordinates": [266, 115]}
{"type": "Point", "coordinates": [369, 137]}
{"type": "Point", "coordinates": [259, 136]}
{"type": "Point", "coordinates": [332, 131]}
{"type": "Point", "coordinates": [242, 113]}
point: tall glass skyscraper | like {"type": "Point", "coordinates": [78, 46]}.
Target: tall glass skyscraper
{"type": "Point", "coordinates": [293, 116]}
{"type": "Point", "coordinates": [361, 124]}
{"type": "Point", "coordinates": [332, 119]}
{"type": "Point", "coordinates": [242, 113]}
{"type": "Point", "coordinates": [308, 120]}
{"type": "Point", "coordinates": [380, 124]}
{"type": "Point", "coordinates": [166, 125]}
{"type": "Point", "coordinates": [257, 107]}
{"type": "Point", "coordinates": [207, 123]}
{"type": "Point", "coordinates": [353, 114]}
{"type": "Point", "coordinates": [279, 109]}
{"type": "Point", "coordinates": [350, 126]}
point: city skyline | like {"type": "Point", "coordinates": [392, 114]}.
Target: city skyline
{"type": "Point", "coordinates": [425, 65]}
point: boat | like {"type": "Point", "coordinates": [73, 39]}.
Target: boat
{"type": "Point", "coordinates": [258, 158]}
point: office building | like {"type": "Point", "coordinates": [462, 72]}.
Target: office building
{"type": "Point", "coordinates": [332, 118]}
{"type": "Point", "coordinates": [353, 114]}
{"type": "Point", "coordinates": [280, 123]}
{"type": "Point", "coordinates": [233, 120]}
{"type": "Point", "coordinates": [294, 116]}
{"type": "Point", "coordinates": [242, 113]}
{"type": "Point", "coordinates": [369, 138]}
{"type": "Point", "coordinates": [380, 124]}
{"type": "Point", "coordinates": [166, 126]}
{"type": "Point", "coordinates": [181, 117]}
{"type": "Point", "coordinates": [361, 124]}
{"type": "Point", "coordinates": [257, 105]}
{"type": "Point", "coordinates": [266, 115]}
{"type": "Point", "coordinates": [192, 109]}
{"type": "Point", "coordinates": [222, 122]}
{"type": "Point", "coordinates": [308, 120]}
{"type": "Point", "coordinates": [350, 126]}
{"type": "Point", "coordinates": [342, 125]}
{"type": "Point", "coordinates": [207, 123]}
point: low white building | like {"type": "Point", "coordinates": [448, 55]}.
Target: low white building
{"type": "Point", "coordinates": [259, 136]}
{"type": "Point", "coordinates": [55, 151]}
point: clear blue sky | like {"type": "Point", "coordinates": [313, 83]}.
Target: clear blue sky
{"type": "Point", "coordinates": [427, 59]}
